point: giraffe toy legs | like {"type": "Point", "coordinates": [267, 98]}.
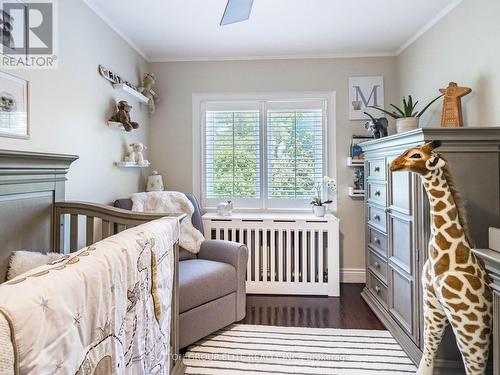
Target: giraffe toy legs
{"type": "Point", "coordinates": [435, 322]}
{"type": "Point", "coordinates": [471, 322]}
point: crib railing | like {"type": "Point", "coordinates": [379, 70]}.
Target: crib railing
{"type": "Point", "coordinates": [90, 222]}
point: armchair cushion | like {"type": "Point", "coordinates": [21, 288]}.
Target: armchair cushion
{"type": "Point", "coordinates": [229, 252]}
{"type": "Point", "coordinates": [202, 281]}
{"type": "Point", "coordinates": [235, 254]}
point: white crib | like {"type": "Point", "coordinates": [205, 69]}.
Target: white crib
{"type": "Point", "coordinates": [288, 253]}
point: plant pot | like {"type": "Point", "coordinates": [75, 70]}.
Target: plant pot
{"type": "Point", "coordinates": [406, 124]}
{"type": "Point", "coordinates": [319, 211]}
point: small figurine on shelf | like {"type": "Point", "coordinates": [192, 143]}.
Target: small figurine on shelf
{"type": "Point", "coordinates": [225, 208]}
{"type": "Point", "coordinates": [135, 155]}
{"type": "Point", "coordinates": [123, 116]}
{"type": "Point", "coordinates": [357, 179]}
{"type": "Point", "coordinates": [147, 90]}
{"type": "Point", "coordinates": [377, 126]}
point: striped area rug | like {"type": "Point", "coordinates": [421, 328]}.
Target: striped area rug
{"type": "Point", "coordinates": [252, 349]}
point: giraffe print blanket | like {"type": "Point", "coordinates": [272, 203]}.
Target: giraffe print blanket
{"type": "Point", "coordinates": [102, 310]}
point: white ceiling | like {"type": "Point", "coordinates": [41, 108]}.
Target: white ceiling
{"type": "Point", "coordinates": [169, 30]}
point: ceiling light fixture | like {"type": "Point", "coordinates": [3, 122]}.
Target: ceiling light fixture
{"type": "Point", "coordinates": [236, 11]}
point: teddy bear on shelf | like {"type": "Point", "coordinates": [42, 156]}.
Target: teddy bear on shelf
{"type": "Point", "coordinates": [147, 90]}
{"type": "Point", "coordinates": [123, 116]}
{"type": "Point", "coordinates": [135, 155]}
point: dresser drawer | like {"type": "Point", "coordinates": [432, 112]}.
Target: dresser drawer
{"type": "Point", "coordinates": [377, 241]}
{"type": "Point", "coordinates": [377, 193]}
{"type": "Point", "coordinates": [378, 289]}
{"type": "Point", "coordinates": [377, 265]}
{"type": "Point", "coordinates": [377, 218]}
{"type": "Point", "coordinates": [377, 169]}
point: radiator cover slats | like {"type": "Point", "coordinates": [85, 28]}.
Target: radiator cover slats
{"type": "Point", "coordinates": [286, 256]}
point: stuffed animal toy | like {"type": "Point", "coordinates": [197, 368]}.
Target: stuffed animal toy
{"type": "Point", "coordinates": [455, 283]}
{"type": "Point", "coordinates": [136, 155]}
{"type": "Point", "coordinates": [123, 116]}
{"type": "Point", "coordinates": [147, 90]}
{"type": "Point", "coordinates": [7, 102]}
{"type": "Point", "coordinates": [378, 127]}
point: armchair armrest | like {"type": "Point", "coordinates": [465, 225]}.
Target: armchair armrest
{"type": "Point", "coordinates": [233, 253]}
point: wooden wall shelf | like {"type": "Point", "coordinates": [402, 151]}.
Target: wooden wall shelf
{"type": "Point", "coordinates": [129, 164]}
{"type": "Point", "coordinates": [117, 125]}
{"type": "Point", "coordinates": [355, 162]}
{"type": "Point", "coordinates": [129, 90]}
{"type": "Point", "coordinates": [356, 194]}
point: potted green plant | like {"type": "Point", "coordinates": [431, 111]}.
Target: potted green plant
{"type": "Point", "coordinates": [318, 203]}
{"type": "Point", "coordinates": [407, 118]}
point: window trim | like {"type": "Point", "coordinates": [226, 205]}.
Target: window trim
{"type": "Point", "coordinates": [198, 133]}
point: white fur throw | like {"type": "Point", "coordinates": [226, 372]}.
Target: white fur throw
{"type": "Point", "coordinates": [22, 261]}
{"type": "Point", "coordinates": [171, 202]}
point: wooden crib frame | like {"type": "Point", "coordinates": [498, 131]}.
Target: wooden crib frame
{"type": "Point", "coordinates": [34, 216]}
{"type": "Point", "coordinates": [113, 220]}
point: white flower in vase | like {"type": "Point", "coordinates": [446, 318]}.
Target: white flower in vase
{"type": "Point", "coordinates": [319, 205]}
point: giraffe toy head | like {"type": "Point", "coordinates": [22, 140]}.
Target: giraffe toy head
{"type": "Point", "coordinates": [421, 160]}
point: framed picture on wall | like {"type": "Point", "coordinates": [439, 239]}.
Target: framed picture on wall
{"type": "Point", "coordinates": [365, 92]}
{"type": "Point", "coordinates": [14, 106]}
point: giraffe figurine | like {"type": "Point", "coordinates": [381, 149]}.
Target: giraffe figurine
{"type": "Point", "coordinates": [452, 105]}
{"type": "Point", "coordinates": [455, 284]}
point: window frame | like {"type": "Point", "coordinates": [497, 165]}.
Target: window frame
{"type": "Point", "coordinates": [199, 104]}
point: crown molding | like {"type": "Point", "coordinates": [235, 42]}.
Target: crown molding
{"type": "Point", "coordinates": [108, 22]}
{"type": "Point", "coordinates": [440, 15]}
{"type": "Point", "coordinates": [434, 20]}
{"type": "Point", "coordinates": [273, 57]}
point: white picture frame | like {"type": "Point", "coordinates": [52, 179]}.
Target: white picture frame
{"type": "Point", "coordinates": [364, 92]}
{"type": "Point", "coordinates": [14, 106]}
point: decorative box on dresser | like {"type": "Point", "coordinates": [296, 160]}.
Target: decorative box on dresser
{"type": "Point", "coordinates": [397, 225]}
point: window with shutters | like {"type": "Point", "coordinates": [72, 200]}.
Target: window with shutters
{"type": "Point", "coordinates": [262, 154]}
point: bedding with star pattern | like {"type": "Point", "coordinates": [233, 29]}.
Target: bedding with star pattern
{"type": "Point", "coordinates": [102, 310]}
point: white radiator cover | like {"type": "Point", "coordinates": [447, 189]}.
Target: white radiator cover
{"type": "Point", "coordinates": [287, 253]}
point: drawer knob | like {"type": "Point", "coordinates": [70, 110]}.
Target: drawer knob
{"type": "Point", "coordinates": [377, 169]}
{"type": "Point", "coordinates": [376, 240]}
{"type": "Point", "coordinates": [377, 289]}
{"type": "Point", "coordinates": [377, 265]}
{"type": "Point", "coordinates": [377, 193]}
{"type": "Point", "coordinates": [377, 217]}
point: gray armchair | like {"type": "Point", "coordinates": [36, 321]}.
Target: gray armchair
{"type": "Point", "coordinates": [211, 284]}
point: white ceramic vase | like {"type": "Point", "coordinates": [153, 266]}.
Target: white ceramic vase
{"type": "Point", "coordinates": [319, 211]}
{"type": "Point", "coordinates": [406, 124]}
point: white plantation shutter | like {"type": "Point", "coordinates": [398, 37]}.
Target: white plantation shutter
{"type": "Point", "coordinates": [295, 146]}
{"type": "Point", "coordinates": [263, 154]}
{"type": "Point", "coordinates": [232, 153]}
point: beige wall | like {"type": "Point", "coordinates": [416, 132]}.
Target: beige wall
{"type": "Point", "coordinates": [69, 106]}
{"type": "Point", "coordinates": [171, 127]}
{"type": "Point", "coordinates": [463, 47]}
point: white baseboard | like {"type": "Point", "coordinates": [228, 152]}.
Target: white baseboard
{"type": "Point", "coordinates": [352, 275]}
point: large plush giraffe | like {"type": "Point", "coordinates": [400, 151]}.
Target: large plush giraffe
{"type": "Point", "coordinates": [455, 284]}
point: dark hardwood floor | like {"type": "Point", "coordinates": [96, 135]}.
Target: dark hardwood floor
{"type": "Point", "coordinates": [348, 311]}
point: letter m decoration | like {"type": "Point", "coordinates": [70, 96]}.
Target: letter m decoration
{"type": "Point", "coordinates": [372, 99]}
{"type": "Point", "coordinates": [365, 92]}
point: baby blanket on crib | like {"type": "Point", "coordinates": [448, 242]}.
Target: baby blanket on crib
{"type": "Point", "coordinates": [102, 310]}
{"type": "Point", "coordinates": [171, 202]}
